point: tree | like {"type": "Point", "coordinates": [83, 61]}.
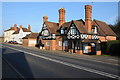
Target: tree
{"type": "Point", "coordinates": [116, 29]}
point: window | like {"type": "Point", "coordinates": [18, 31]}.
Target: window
{"type": "Point", "coordinates": [46, 33]}
{"type": "Point", "coordinates": [93, 44]}
{"type": "Point", "coordinates": [20, 39]}
{"type": "Point", "coordinates": [62, 31]}
{"type": "Point", "coordinates": [60, 43]}
{"type": "Point", "coordinates": [47, 43]}
{"type": "Point", "coordinates": [65, 43]}
{"type": "Point", "coordinates": [95, 30]}
{"type": "Point", "coordinates": [53, 36]}
{"type": "Point", "coordinates": [74, 31]}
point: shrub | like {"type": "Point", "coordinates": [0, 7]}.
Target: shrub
{"type": "Point", "coordinates": [113, 47]}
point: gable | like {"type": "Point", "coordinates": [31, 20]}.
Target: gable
{"type": "Point", "coordinates": [73, 30]}
{"type": "Point", "coordinates": [45, 31]}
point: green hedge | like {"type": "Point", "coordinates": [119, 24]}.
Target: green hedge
{"type": "Point", "coordinates": [113, 47]}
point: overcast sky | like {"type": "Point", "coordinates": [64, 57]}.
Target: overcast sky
{"type": "Point", "coordinates": [31, 13]}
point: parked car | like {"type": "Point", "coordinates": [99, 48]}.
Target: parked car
{"type": "Point", "coordinates": [13, 42]}
{"type": "Point", "coordinates": [10, 42]}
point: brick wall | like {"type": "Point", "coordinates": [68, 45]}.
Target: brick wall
{"type": "Point", "coordinates": [102, 38]}
{"type": "Point", "coordinates": [25, 42]}
{"type": "Point", "coordinates": [110, 37]}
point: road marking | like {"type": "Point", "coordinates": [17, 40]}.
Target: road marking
{"type": "Point", "coordinates": [113, 59]}
{"type": "Point", "coordinates": [82, 58]}
{"type": "Point", "coordinates": [71, 65]}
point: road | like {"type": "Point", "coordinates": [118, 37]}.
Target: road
{"type": "Point", "coordinates": [29, 63]}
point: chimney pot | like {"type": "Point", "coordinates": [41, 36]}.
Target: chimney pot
{"type": "Point", "coordinates": [45, 18]}
{"type": "Point", "coordinates": [15, 27]}
{"type": "Point", "coordinates": [20, 26]}
{"type": "Point", "coordinates": [29, 27]}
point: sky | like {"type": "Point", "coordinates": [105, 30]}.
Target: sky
{"type": "Point", "coordinates": [31, 13]}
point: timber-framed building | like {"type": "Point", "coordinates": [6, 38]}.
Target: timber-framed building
{"type": "Point", "coordinates": [77, 36]}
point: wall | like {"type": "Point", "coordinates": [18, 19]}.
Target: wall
{"type": "Point", "coordinates": [110, 38]}
{"type": "Point", "coordinates": [58, 38]}
{"type": "Point", "coordinates": [8, 35]}
{"type": "Point", "coordinates": [18, 37]}
{"type": "Point", "coordinates": [102, 38]}
{"type": "Point", "coordinates": [53, 44]}
{"type": "Point", "coordinates": [25, 42]}
{"type": "Point", "coordinates": [32, 42]}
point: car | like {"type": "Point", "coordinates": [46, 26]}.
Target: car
{"type": "Point", "coordinates": [14, 42]}
{"type": "Point", "coordinates": [10, 42]}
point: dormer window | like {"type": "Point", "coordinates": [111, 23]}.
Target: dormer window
{"type": "Point", "coordinates": [62, 31]}
{"type": "Point", "coordinates": [94, 29]}
{"type": "Point", "coordinates": [53, 36]}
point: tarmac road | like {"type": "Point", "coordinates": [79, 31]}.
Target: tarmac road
{"type": "Point", "coordinates": [29, 63]}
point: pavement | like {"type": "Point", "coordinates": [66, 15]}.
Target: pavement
{"type": "Point", "coordinates": [30, 62]}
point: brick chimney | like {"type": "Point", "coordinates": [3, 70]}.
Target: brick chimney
{"type": "Point", "coordinates": [15, 27]}
{"type": "Point", "coordinates": [45, 18]}
{"type": "Point", "coordinates": [61, 16]}
{"type": "Point", "coordinates": [88, 17]}
{"type": "Point", "coordinates": [20, 26]}
{"type": "Point", "coordinates": [29, 27]}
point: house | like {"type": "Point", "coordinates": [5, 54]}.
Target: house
{"type": "Point", "coordinates": [76, 36]}
{"type": "Point", "coordinates": [8, 33]}
{"type": "Point", "coordinates": [30, 39]}
{"type": "Point", "coordinates": [20, 33]}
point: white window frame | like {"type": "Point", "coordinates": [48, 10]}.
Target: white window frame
{"type": "Point", "coordinates": [60, 43]}
{"type": "Point", "coordinates": [48, 43]}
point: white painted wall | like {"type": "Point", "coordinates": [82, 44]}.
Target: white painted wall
{"type": "Point", "coordinates": [32, 42]}
{"type": "Point", "coordinates": [8, 35]}
{"type": "Point", "coordinates": [18, 37]}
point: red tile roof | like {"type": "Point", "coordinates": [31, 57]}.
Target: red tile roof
{"type": "Point", "coordinates": [104, 29]}
{"type": "Point", "coordinates": [52, 27]}
{"type": "Point", "coordinates": [78, 23]}
{"type": "Point", "coordinates": [31, 35]}
{"type": "Point", "coordinates": [11, 28]}
{"type": "Point", "coordinates": [24, 30]}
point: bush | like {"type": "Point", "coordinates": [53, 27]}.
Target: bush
{"type": "Point", "coordinates": [113, 47]}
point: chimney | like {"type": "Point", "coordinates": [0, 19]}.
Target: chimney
{"type": "Point", "coordinates": [15, 27]}
{"type": "Point", "coordinates": [29, 27]}
{"type": "Point", "coordinates": [61, 16]}
{"type": "Point", "coordinates": [88, 17]}
{"type": "Point", "coordinates": [20, 26]}
{"type": "Point", "coordinates": [45, 18]}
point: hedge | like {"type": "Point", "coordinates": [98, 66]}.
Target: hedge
{"type": "Point", "coordinates": [113, 47]}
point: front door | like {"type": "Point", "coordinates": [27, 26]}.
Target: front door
{"type": "Point", "coordinates": [74, 46]}
{"type": "Point", "coordinates": [93, 48]}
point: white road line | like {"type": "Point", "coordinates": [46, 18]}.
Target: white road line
{"type": "Point", "coordinates": [71, 65]}
{"type": "Point", "coordinates": [85, 58]}
{"type": "Point", "coordinates": [113, 59]}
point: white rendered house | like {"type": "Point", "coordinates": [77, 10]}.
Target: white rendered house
{"type": "Point", "coordinates": [20, 33]}
{"type": "Point", "coordinates": [8, 33]}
